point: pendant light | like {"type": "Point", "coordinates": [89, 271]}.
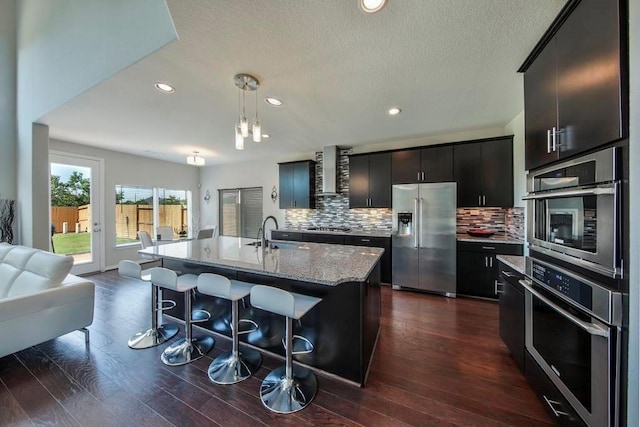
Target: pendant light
{"type": "Point", "coordinates": [246, 82]}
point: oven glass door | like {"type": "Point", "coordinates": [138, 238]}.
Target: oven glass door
{"type": "Point", "coordinates": [571, 222]}
{"type": "Point", "coordinates": [576, 359]}
{"type": "Point", "coordinates": [565, 348]}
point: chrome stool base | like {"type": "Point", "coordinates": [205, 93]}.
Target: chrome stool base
{"type": "Point", "coordinates": [152, 337]}
{"type": "Point", "coordinates": [230, 368]}
{"type": "Point", "coordinates": [184, 351]}
{"type": "Point", "coordinates": [286, 396]}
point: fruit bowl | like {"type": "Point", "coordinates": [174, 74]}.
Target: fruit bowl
{"type": "Point", "coordinates": [480, 232]}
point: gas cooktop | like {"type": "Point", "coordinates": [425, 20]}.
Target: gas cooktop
{"type": "Point", "coordinates": [342, 229]}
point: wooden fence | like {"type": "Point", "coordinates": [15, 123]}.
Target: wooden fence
{"type": "Point", "coordinates": [129, 218]}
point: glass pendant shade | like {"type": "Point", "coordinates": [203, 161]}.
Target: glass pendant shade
{"type": "Point", "coordinates": [257, 131]}
{"type": "Point", "coordinates": [244, 126]}
{"type": "Point", "coordinates": [239, 138]}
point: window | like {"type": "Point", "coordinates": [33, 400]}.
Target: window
{"type": "Point", "coordinates": [144, 209]}
{"type": "Point", "coordinates": [240, 212]}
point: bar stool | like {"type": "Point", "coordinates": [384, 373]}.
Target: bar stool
{"type": "Point", "coordinates": [288, 388]}
{"type": "Point", "coordinates": [157, 334]}
{"type": "Point", "coordinates": [235, 365]}
{"type": "Point", "coordinates": [187, 349]}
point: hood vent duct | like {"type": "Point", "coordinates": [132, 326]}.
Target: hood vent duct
{"type": "Point", "coordinates": [329, 171]}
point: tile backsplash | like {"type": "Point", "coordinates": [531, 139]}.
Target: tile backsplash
{"type": "Point", "coordinates": [508, 222]}
{"type": "Point", "coordinates": [333, 211]}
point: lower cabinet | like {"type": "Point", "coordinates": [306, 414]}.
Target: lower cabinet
{"type": "Point", "coordinates": [512, 312]}
{"type": "Point", "coordinates": [286, 235]}
{"type": "Point", "coordinates": [336, 239]}
{"type": "Point", "coordinates": [477, 267]}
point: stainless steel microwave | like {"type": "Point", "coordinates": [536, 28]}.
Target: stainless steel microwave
{"type": "Point", "coordinates": [573, 212]}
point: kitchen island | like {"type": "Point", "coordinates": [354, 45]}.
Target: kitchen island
{"type": "Point", "coordinates": [343, 327]}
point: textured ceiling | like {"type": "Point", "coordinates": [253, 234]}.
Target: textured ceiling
{"type": "Point", "coordinates": [450, 66]}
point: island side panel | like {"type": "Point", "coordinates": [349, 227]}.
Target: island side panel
{"type": "Point", "coordinates": [371, 309]}
{"type": "Point", "coordinates": [333, 326]}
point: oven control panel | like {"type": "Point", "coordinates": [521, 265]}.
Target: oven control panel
{"type": "Point", "coordinates": [568, 286]}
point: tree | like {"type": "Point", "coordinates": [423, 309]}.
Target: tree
{"type": "Point", "coordinates": [74, 192]}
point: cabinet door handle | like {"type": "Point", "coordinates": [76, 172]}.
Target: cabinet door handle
{"type": "Point", "coordinates": [486, 262]}
{"type": "Point", "coordinates": [479, 200]}
{"type": "Point", "coordinates": [553, 139]}
{"type": "Point", "coordinates": [484, 200]}
{"type": "Point", "coordinates": [418, 176]}
{"type": "Point", "coordinates": [548, 140]}
{"type": "Point", "coordinates": [507, 274]}
{"type": "Point", "coordinates": [423, 176]}
{"type": "Point", "coordinates": [551, 403]}
{"type": "Point", "coordinates": [498, 291]}
{"type": "Point", "coordinates": [490, 261]}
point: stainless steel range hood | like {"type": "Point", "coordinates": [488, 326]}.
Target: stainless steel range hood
{"type": "Point", "coordinates": [329, 171]}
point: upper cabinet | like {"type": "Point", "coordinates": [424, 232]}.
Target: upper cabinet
{"type": "Point", "coordinates": [430, 164]}
{"type": "Point", "coordinates": [575, 99]}
{"type": "Point", "coordinates": [370, 180]}
{"type": "Point", "coordinates": [484, 172]}
{"type": "Point", "coordinates": [297, 185]}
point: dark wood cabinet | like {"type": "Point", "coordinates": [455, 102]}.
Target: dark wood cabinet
{"type": "Point", "coordinates": [512, 312]}
{"type": "Point", "coordinates": [483, 171]}
{"type": "Point", "coordinates": [297, 185]}
{"type": "Point", "coordinates": [428, 164]}
{"type": "Point", "coordinates": [335, 239]}
{"type": "Point", "coordinates": [375, 242]}
{"type": "Point", "coordinates": [477, 267]}
{"type": "Point", "coordinates": [575, 98]}
{"type": "Point", "coordinates": [370, 180]}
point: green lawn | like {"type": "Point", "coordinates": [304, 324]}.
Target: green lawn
{"type": "Point", "coordinates": [73, 243]}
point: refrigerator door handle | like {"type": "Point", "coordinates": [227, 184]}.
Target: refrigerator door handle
{"type": "Point", "coordinates": [417, 227]}
{"type": "Point", "coordinates": [421, 202]}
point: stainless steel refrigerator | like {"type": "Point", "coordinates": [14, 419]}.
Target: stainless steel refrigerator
{"type": "Point", "coordinates": [424, 237]}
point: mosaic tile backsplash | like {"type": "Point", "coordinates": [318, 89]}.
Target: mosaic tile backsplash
{"type": "Point", "coordinates": [507, 222]}
{"type": "Point", "coordinates": [333, 211]}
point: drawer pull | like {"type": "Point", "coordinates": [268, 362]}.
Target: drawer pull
{"type": "Point", "coordinates": [365, 240]}
{"type": "Point", "coordinates": [551, 403]}
{"type": "Point", "coordinates": [489, 248]}
{"type": "Point", "coordinates": [507, 274]}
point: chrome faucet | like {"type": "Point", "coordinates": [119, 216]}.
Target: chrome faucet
{"type": "Point", "coordinates": [263, 241]}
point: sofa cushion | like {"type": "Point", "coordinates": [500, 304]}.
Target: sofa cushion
{"type": "Point", "coordinates": [26, 270]}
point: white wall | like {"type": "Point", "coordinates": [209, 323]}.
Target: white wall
{"type": "Point", "coordinates": [516, 128]}
{"type": "Point", "coordinates": [127, 169]}
{"type": "Point", "coordinates": [634, 262]}
{"type": "Point", "coordinates": [65, 47]}
{"type": "Point", "coordinates": [8, 64]}
{"type": "Point", "coordinates": [239, 175]}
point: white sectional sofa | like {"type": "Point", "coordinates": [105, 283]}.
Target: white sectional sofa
{"type": "Point", "coordinates": [39, 299]}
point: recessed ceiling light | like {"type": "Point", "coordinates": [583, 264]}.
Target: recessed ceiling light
{"type": "Point", "coordinates": [372, 6]}
{"type": "Point", "coordinates": [394, 111]}
{"type": "Point", "coordinates": [164, 87]}
{"type": "Point", "coordinates": [266, 135]}
{"type": "Point", "coordinates": [275, 102]}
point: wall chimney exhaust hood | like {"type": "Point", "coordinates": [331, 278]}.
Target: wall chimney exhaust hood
{"type": "Point", "coordinates": [329, 171]}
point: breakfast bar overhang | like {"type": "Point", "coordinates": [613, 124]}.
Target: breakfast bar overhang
{"type": "Point", "coordinates": [343, 328]}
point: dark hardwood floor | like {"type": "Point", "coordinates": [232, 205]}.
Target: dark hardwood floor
{"type": "Point", "coordinates": [439, 361]}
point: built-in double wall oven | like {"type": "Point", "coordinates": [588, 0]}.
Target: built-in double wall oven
{"type": "Point", "coordinates": [573, 314]}
{"type": "Point", "coordinates": [573, 212]}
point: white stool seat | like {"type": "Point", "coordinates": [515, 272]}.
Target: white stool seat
{"type": "Point", "coordinates": [278, 301]}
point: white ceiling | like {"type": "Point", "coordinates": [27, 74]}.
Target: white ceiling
{"type": "Point", "coordinates": [450, 65]}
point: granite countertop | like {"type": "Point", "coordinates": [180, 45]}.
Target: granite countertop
{"type": "Point", "coordinates": [319, 263]}
{"type": "Point", "coordinates": [352, 232]}
{"type": "Point", "coordinates": [496, 238]}
{"type": "Point", "coordinates": [513, 261]}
